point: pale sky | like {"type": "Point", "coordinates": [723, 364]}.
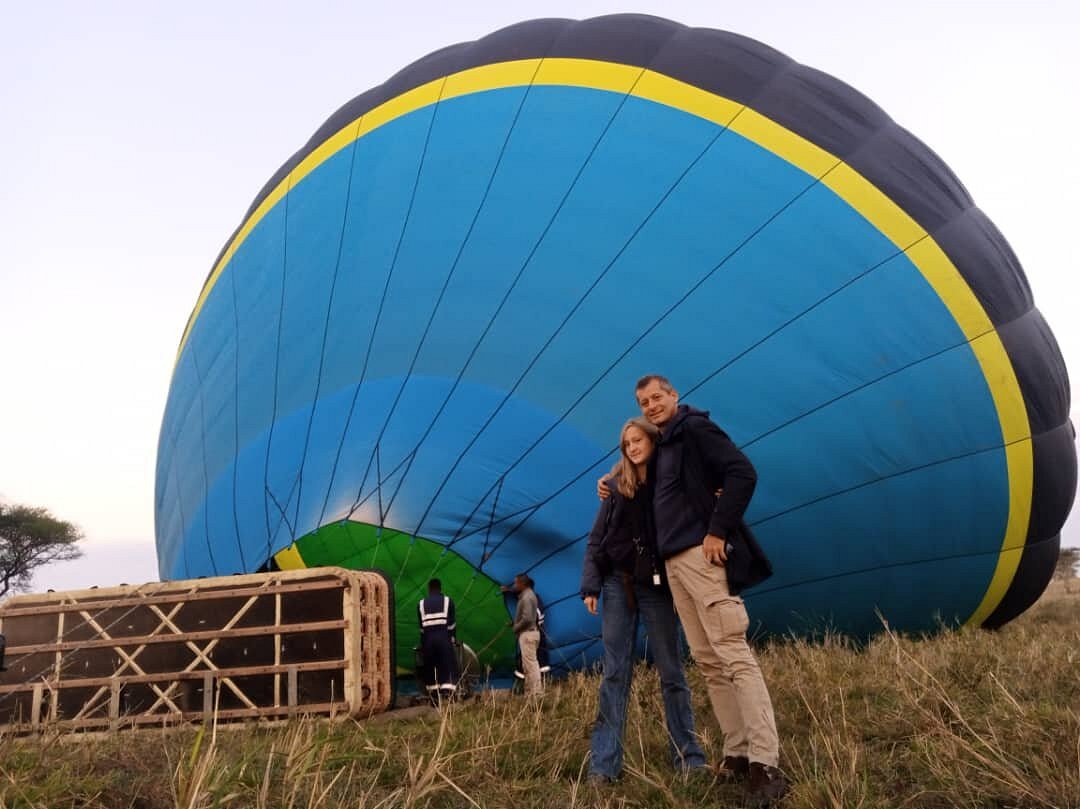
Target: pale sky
{"type": "Point", "coordinates": [137, 133]}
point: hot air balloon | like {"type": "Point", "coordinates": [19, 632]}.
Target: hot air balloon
{"type": "Point", "coordinates": [416, 350]}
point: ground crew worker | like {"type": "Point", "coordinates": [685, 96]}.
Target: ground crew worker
{"type": "Point", "coordinates": [543, 657]}
{"type": "Point", "coordinates": [437, 636]}
{"type": "Point", "coordinates": [528, 633]}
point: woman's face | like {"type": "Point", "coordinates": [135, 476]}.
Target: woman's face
{"type": "Point", "coordinates": [637, 445]}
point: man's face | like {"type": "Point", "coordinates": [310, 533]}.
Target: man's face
{"type": "Point", "coordinates": [519, 584]}
{"type": "Point", "coordinates": [657, 405]}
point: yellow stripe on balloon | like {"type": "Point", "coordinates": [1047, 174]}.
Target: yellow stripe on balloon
{"type": "Point", "coordinates": [784, 143]}
{"type": "Point", "coordinates": [688, 98]}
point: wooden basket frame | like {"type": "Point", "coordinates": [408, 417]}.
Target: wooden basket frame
{"type": "Point", "coordinates": [364, 627]}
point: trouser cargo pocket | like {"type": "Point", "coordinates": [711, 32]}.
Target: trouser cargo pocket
{"type": "Point", "coordinates": [726, 615]}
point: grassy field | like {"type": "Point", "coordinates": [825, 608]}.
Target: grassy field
{"type": "Point", "coordinates": [965, 719]}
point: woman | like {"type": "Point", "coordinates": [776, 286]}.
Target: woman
{"type": "Point", "coordinates": [621, 569]}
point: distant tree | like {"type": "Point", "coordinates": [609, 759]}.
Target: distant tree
{"type": "Point", "coordinates": [31, 537]}
{"type": "Point", "coordinates": [1067, 564]}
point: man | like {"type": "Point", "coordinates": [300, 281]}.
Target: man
{"type": "Point", "coordinates": [527, 628]}
{"type": "Point", "coordinates": [543, 657]}
{"type": "Point", "coordinates": [438, 627]}
{"type": "Point", "coordinates": [703, 486]}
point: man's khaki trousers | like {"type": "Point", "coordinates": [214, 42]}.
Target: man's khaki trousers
{"type": "Point", "coordinates": [715, 623]}
{"type": "Point", "coordinates": [529, 641]}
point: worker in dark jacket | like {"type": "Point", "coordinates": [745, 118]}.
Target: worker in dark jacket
{"type": "Point", "coordinates": [703, 486]}
{"type": "Point", "coordinates": [438, 627]}
{"type": "Point", "coordinates": [622, 572]}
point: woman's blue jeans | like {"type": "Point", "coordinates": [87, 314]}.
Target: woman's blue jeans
{"type": "Point", "coordinates": [619, 626]}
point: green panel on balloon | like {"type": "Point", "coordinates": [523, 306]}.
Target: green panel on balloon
{"type": "Point", "coordinates": [410, 562]}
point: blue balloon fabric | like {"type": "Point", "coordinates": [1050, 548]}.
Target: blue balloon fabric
{"type": "Point", "coordinates": [432, 319]}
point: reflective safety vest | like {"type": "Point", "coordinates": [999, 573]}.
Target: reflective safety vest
{"type": "Point", "coordinates": [440, 618]}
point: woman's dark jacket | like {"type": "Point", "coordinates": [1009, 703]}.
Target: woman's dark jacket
{"type": "Point", "coordinates": [611, 546]}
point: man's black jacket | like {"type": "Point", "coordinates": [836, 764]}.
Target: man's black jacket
{"type": "Point", "coordinates": [696, 458]}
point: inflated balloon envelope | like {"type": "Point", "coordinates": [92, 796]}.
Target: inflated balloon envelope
{"type": "Point", "coordinates": [417, 349]}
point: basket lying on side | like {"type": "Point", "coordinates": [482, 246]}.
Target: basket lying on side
{"type": "Point", "coordinates": [234, 647]}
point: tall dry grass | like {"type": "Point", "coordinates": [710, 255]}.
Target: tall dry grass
{"type": "Point", "coordinates": [965, 719]}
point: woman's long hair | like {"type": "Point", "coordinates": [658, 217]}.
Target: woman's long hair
{"type": "Point", "coordinates": [625, 473]}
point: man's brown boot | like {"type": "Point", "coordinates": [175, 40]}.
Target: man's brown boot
{"type": "Point", "coordinates": [733, 769]}
{"type": "Point", "coordinates": [767, 784]}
